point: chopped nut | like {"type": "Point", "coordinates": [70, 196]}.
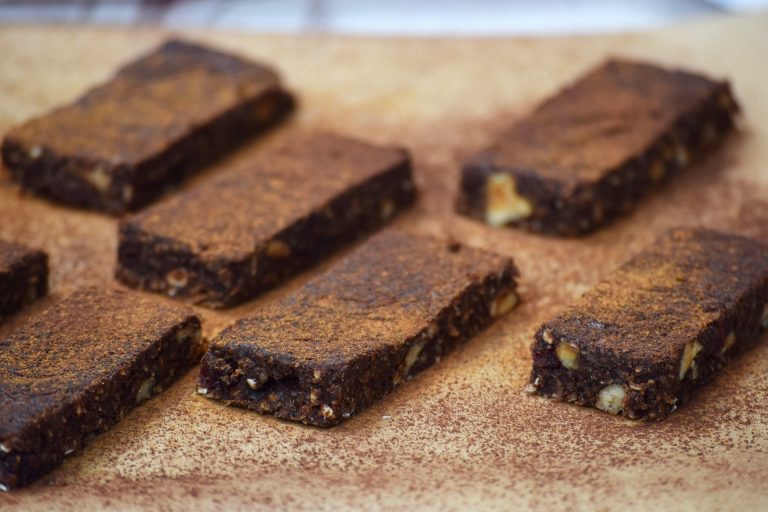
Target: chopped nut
{"type": "Point", "coordinates": [503, 303]}
{"type": "Point", "coordinates": [3, 488]}
{"type": "Point", "coordinates": [127, 193]}
{"type": "Point", "coordinates": [314, 396]}
{"type": "Point", "coordinates": [145, 390]}
{"type": "Point", "coordinates": [35, 152]}
{"type": "Point", "coordinates": [504, 202]}
{"type": "Point", "coordinates": [202, 391]}
{"type": "Point", "coordinates": [316, 375]}
{"type": "Point", "coordinates": [278, 249]}
{"type": "Point", "coordinates": [387, 209]}
{"type": "Point", "coordinates": [4, 448]}
{"type": "Point", "coordinates": [568, 355]}
{"type": "Point", "coordinates": [99, 178]}
{"type": "Point", "coordinates": [730, 340]}
{"type": "Point", "coordinates": [190, 331]}
{"type": "Point", "coordinates": [412, 356]}
{"type": "Point", "coordinates": [258, 381]}
{"type": "Point", "coordinates": [547, 337]}
{"type": "Point", "coordinates": [689, 353]}
{"type": "Point", "coordinates": [611, 398]}
{"type": "Point", "coordinates": [327, 412]}
{"type": "Point", "coordinates": [177, 278]}
{"type": "Point", "coordinates": [69, 451]}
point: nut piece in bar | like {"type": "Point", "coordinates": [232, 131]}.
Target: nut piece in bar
{"type": "Point", "coordinates": [390, 309]}
{"type": "Point", "coordinates": [76, 369]}
{"type": "Point", "coordinates": [593, 150]}
{"type": "Point", "coordinates": [644, 339]}
{"type": "Point", "coordinates": [263, 221]}
{"type": "Point", "coordinates": [158, 120]}
{"type": "Point", "coordinates": [23, 277]}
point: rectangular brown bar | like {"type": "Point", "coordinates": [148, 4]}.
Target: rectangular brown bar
{"type": "Point", "coordinates": [389, 310]}
{"type": "Point", "coordinates": [23, 277]}
{"type": "Point", "coordinates": [158, 120]}
{"type": "Point", "coordinates": [254, 226]}
{"type": "Point", "coordinates": [78, 368]}
{"type": "Point", "coordinates": [641, 342]}
{"type": "Point", "coordinates": [593, 150]}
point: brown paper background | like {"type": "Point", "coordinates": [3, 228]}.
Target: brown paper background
{"type": "Point", "coordinates": [461, 435]}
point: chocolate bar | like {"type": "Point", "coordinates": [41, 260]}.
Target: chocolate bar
{"type": "Point", "coordinates": [23, 277]}
{"type": "Point", "coordinates": [642, 342]}
{"type": "Point", "coordinates": [390, 309]}
{"type": "Point", "coordinates": [265, 220]}
{"type": "Point", "coordinates": [78, 368]}
{"type": "Point", "coordinates": [591, 152]}
{"type": "Point", "coordinates": [158, 120]}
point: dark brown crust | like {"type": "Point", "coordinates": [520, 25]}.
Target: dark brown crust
{"type": "Point", "coordinates": [23, 277]}
{"type": "Point", "coordinates": [158, 120]}
{"type": "Point", "coordinates": [593, 150]}
{"type": "Point", "coordinates": [389, 310]}
{"type": "Point", "coordinates": [251, 228]}
{"type": "Point", "coordinates": [78, 368]}
{"type": "Point", "coordinates": [692, 286]}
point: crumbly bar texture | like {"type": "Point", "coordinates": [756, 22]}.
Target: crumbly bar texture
{"type": "Point", "coordinates": [589, 153]}
{"type": "Point", "coordinates": [390, 309]}
{"type": "Point", "coordinates": [76, 369]}
{"type": "Point", "coordinates": [158, 120]}
{"type": "Point", "coordinates": [236, 236]}
{"type": "Point", "coordinates": [641, 342]}
{"type": "Point", "coordinates": [23, 277]}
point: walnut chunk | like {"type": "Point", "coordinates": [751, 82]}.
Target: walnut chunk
{"type": "Point", "coordinates": [145, 390]}
{"type": "Point", "coordinates": [681, 155]}
{"type": "Point", "coordinates": [568, 355]}
{"type": "Point", "coordinates": [177, 278]}
{"type": "Point", "coordinates": [35, 152]}
{"type": "Point", "coordinates": [278, 249]}
{"type": "Point", "coordinates": [127, 193]}
{"type": "Point", "coordinates": [99, 178]}
{"type": "Point", "coordinates": [504, 203]}
{"type": "Point", "coordinates": [503, 303]}
{"type": "Point", "coordinates": [410, 359]}
{"type": "Point", "coordinates": [730, 340]}
{"type": "Point", "coordinates": [327, 412]}
{"type": "Point", "coordinates": [387, 209]}
{"type": "Point", "coordinates": [258, 381]}
{"type": "Point", "coordinates": [689, 353]}
{"type": "Point", "coordinates": [611, 398]}
{"type": "Point", "coordinates": [547, 337]}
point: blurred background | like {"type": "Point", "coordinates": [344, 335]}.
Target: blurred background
{"type": "Point", "coordinates": [392, 17]}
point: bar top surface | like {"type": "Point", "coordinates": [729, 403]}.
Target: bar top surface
{"type": "Point", "coordinates": [648, 309]}
{"type": "Point", "coordinates": [78, 342]}
{"type": "Point", "coordinates": [599, 121]}
{"type": "Point", "coordinates": [148, 104]}
{"type": "Point", "coordinates": [232, 213]}
{"type": "Point", "coordinates": [382, 294]}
